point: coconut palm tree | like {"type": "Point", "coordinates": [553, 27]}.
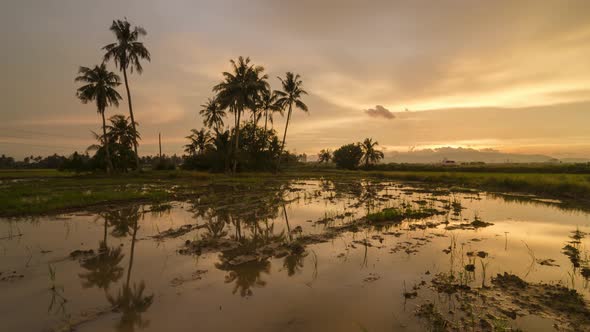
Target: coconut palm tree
{"type": "Point", "coordinates": [200, 141]}
{"type": "Point", "coordinates": [291, 94]}
{"type": "Point", "coordinates": [121, 131]}
{"type": "Point", "coordinates": [268, 103]}
{"type": "Point", "coordinates": [324, 156]}
{"type": "Point", "coordinates": [370, 155]}
{"type": "Point", "coordinates": [121, 136]}
{"type": "Point", "coordinates": [239, 91]}
{"type": "Point", "coordinates": [213, 114]}
{"type": "Point", "coordinates": [99, 86]}
{"type": "Point", "coordinates": [127, 53]}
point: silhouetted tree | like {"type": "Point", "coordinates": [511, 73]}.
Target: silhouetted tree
{"type": "Point", "coordinates": [370, 155]}
{"type": "Point", "coordinates": [291, 94]}
{"type": "Point", "coordinates": [348, 156]}
{"type": "Point", "coordinates": [268, 103]}
{"type": "Point", "coordinates": [324, 156]}
{"type": "Point", "coordinates": [100, 87]}
{"type": "Point", "coordinates": [212, 114]}
{"type": "Point", "coordinates": [127, 53]}
{"type": "Point", "coordinates": [121, 136]}
{"type": "Point", "coordinates": [200, 140]}
{"type": "Point", "coordinates": [239, 91]}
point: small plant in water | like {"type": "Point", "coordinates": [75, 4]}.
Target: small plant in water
{"type": "Point", "coordinates": [57, 297]}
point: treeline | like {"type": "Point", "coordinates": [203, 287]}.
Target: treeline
{"type": "Point", "coordinates": [248, 145]}
{"type": "Point", "coordinates": [353, 156]}
{"type": "Point", "coordinates": [365, 156]}
{"type": "Point", "coordinates": [573, 168]}
{"type": "Point", "coordinates": [54, 161]}
{"type": "Point", "coordinates": [83, 162]}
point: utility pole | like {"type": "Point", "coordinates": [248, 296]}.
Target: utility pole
{"type": "Point", "coordinates": [160, 143]}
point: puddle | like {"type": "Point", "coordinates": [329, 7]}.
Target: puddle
{"type": "Point", "coordinates": [299, 256]}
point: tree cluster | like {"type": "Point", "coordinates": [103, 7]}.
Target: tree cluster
{"type": "Point", "coordinates": [351, 156]}
{"type": "Point", "coordinates": [244, 92]}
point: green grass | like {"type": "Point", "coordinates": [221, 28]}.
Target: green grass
{"type": "Point", "coordinates": [32, 173]}
{"type": "Point", "coordinates": [34, 194]}
{"type": "Point", "coordinates": [553, 185]}
{"type": "Point", "coordinates": [29, 192]}
{"type": "Point", "coordinates": [568, 186]}
{"type": "Point", "coordinates": [397, 215]}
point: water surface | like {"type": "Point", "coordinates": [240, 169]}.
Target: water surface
{"type": "Point", "coordinates": [124, 269]}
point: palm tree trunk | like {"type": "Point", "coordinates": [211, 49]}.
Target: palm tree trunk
{"type": "Point", "coordinates": [265, 126]}
{"type": "Point", "coordinates": [285, 134]}
{"type": "Point", "coordinates": [237, 139]}
{"type": "Point", "coordinates": [106, 144]}
{"type": "Point", "coordinates": [131, 115]}
{"type": "Point", "coordinates": [287, 222]}
{"type": "Point", "coordinates": [255, 122]}
{"type": "Point", "coordinates": [228, 163]}
{"type": "Point", "coordinates": [132, 253]}
{"type": "Point", "coordinates": [105, 232]}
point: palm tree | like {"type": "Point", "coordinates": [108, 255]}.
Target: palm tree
{"type": "Point", "coordinates": [213, 114]}
{"type": "Point", "coordinates": [200, 141]}
{"type": "Point", "coordinates": [127, 52]}
{"type": "Point", "coordinates": [122, 131]}
{"type": "Point", "coordinates": [100, 87]}
{"type": "Point", "coordinates": [291, 94]}
{"type": "Point", "coordinates": [239, 91]}
{"type": "Point", "coordinates": [121, 136]}
{"type": "Point", "coordinates": [370, 155]}
{"type": "Point", "coordinates": [324, 156]}
{"type": "Point", "coordinates": [268, 103]}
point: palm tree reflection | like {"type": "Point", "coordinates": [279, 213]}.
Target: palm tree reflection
{"type": "Point", "coordinates": [122, 220]}
{"type": "Point", "coordinates": [293, 263]}
{"type": "Point", "coordinates": [131, 302]}
{"type": "Point", "coordinates": [103, 268]}
{"type": "Point", "coordinates": [246, 275]}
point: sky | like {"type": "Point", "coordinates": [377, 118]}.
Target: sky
{"type": "Point", "coordinates": [507, 75]}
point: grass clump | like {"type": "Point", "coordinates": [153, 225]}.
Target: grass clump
{"type": "Point", "coordinates": [396, 215]}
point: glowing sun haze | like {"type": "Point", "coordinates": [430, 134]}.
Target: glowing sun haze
{"type": "Point", "coordinates": [508, 75]}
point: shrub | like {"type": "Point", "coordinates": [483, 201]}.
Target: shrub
{"type": "Point", "coordinates": [348, 156]}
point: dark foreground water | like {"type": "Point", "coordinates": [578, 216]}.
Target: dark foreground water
{"type": "Point", "coordinates": [121, 269]}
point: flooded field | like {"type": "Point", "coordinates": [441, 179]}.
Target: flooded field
{"type": "Point", "coordinates": [301, 256]}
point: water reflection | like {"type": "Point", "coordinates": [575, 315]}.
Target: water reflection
{"type": "Point", "coordinates": [293, 263]}
{"type": "Point", "coordinates": [245, 276]}
{"type": "Point", "coordinates": [264, 236]}
{"type": "Point", "coordinates": [102, 269]}
{"type": "Point", "coordinates": [131, 301]}
{"type": "Point", "coordinates": [122, 220]}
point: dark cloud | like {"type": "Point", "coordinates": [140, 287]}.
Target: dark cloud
{"type": "Point", "coordinates": [380, 112]}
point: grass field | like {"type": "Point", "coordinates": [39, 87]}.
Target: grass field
{"type": "Point", "coordinates": [31, 192]}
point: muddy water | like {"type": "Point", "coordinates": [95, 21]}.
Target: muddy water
{"type": "Point", "coordinates": [125, 268]}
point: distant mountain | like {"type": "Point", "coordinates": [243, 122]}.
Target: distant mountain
{"type": "Point", "coordinates": [465, 155]}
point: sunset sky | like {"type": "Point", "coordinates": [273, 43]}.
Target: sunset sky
{"type": "Point", "coordinates": [509, 75]}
